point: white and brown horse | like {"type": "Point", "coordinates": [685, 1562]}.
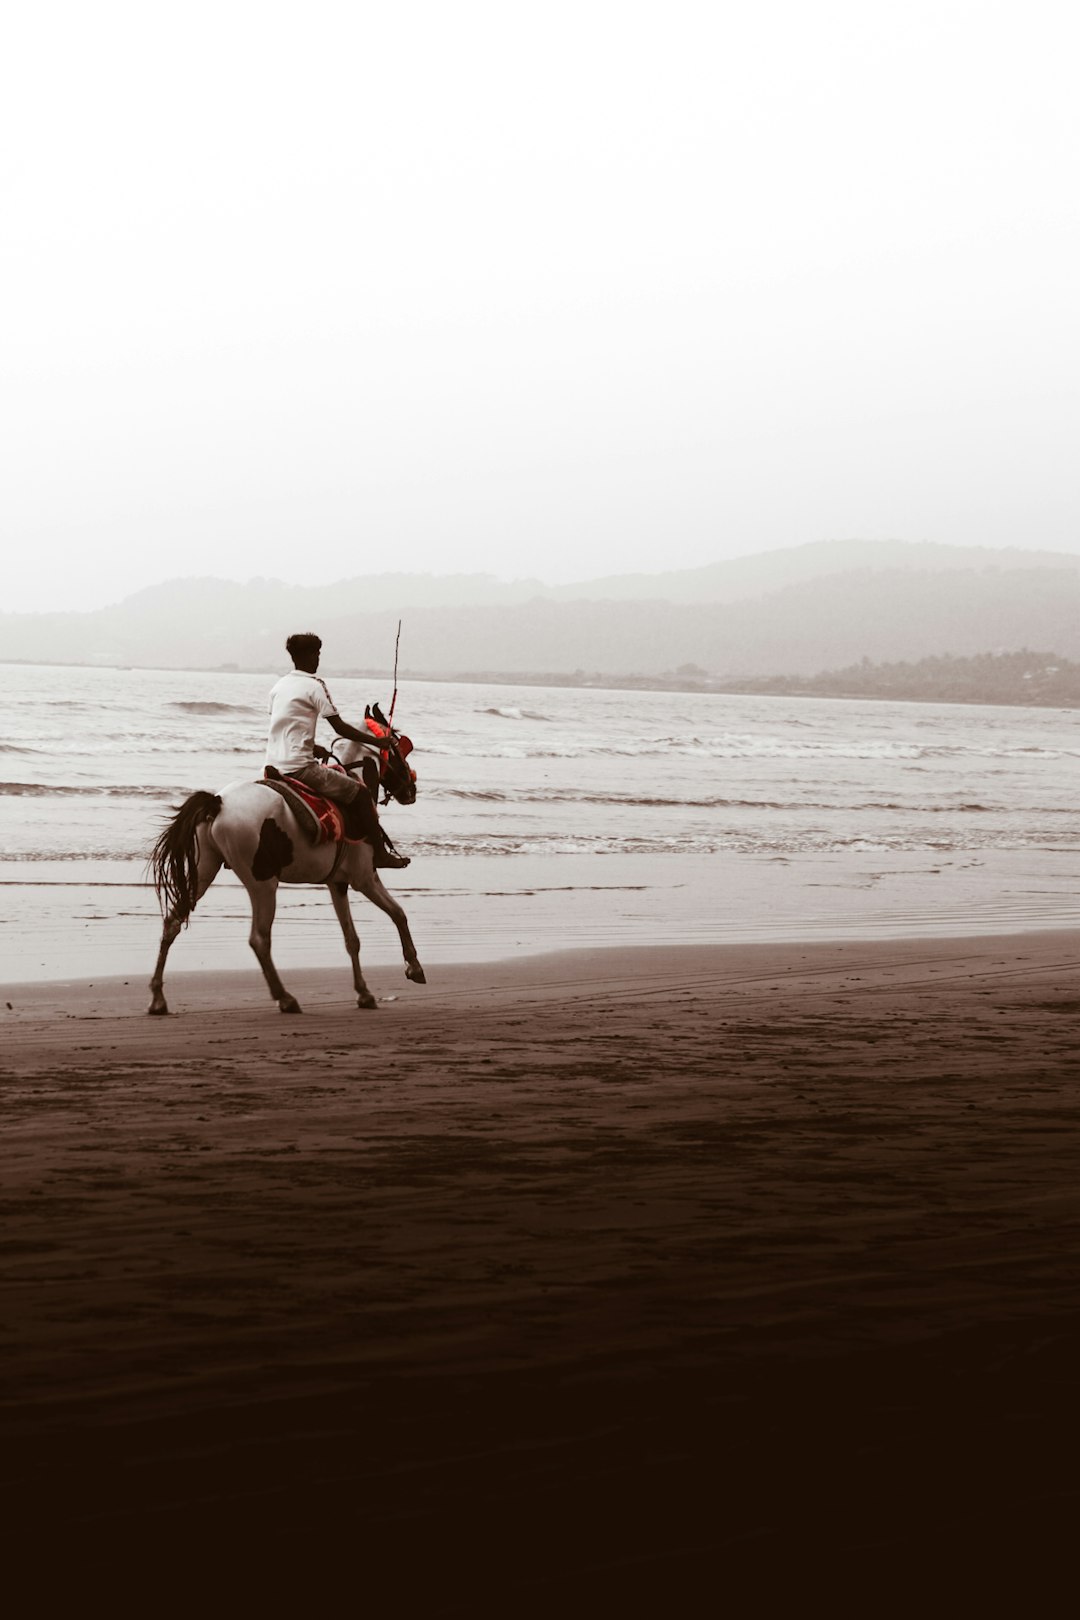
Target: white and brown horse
{"type": "Point", "coordinates": [251, 828]}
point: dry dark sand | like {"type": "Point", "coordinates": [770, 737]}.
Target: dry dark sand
{"type": "Point", "coordinates": [594, 1283]}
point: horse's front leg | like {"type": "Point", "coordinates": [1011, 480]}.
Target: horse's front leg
{"type": "Point", "coordinates": [339, 894]}
{"type": "Point", "coordinates": [370, 885]}
{"type": "Point", "coordinates": [263, 906]}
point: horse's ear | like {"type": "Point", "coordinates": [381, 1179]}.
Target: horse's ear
{"type": "Point", "coordinates": [367, 711]}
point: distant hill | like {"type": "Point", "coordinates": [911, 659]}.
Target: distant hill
{"type": "Point", "coordinates": [1037, 679]}
{"type": "Point", "coordinates": [791, 612]}
{"type": "Point", "coordinates": [768, 571]}
{"type": "Point", "coordinates": [1018, 679]}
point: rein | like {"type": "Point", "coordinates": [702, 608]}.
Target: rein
{"type": "Point", "coordinates": [339, 856]}
{"type": "Point", "coordinates": [356, 769]}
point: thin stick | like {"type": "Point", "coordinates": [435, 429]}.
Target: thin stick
{"type": "Point", "coordinates": [397, 644]}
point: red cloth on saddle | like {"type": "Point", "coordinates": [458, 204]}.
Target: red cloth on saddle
{"type": "Point", "coordinates": [329, 816]}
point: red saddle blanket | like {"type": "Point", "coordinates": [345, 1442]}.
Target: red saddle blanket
{"type": "Point", "coordinates": [330, 816]}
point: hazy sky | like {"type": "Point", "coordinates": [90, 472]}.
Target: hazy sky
{"type": "Point", "coordinates": [310, 290]}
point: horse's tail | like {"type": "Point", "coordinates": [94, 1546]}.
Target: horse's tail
{"type": "Point", "coordinates": [174, 858]}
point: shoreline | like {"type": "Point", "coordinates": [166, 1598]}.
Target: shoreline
{"type": "Point", "coordinates": [581, 966]}
{"type": "Point", "coordinates": [489, 908]}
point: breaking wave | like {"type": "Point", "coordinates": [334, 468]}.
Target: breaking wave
{"type": "Point", "coordinates": [194, 706]}
{"type": "Point", "coordinates": [516, 714]}
{"type": "Point", "coordinates": [717, 802]}
{"type": "Point", "coordinates": [747, 748]}
{"type": "Point", "coordinates": [39, 790]}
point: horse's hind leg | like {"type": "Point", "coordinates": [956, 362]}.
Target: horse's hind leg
{"type": "Point", "coordinates": [172, 926]}
{"type": "Point", "coordinates": [339, 894]}
{"type": "Point", "coordinates": [208, 868]}
{"type": "Point", "coordinates": [263, 906]}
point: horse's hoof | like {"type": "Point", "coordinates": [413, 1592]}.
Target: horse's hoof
{"type": "Point", "coordinates": [289, 1004]}
{"type": "Point", "coordinates": [157, 1009]}
{"type": "Point", "coordinates": [416, 973]}
{"type": "Point", "coordinates": [367, 1002]}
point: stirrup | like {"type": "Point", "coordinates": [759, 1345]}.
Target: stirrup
{"type": "Point", "coordinates": [395, 863]}
{"type": "Point", "coordinates": [389, 857]}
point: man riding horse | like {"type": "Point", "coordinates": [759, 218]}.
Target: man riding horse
{"type": "Point", "coordinates": [297, 702]}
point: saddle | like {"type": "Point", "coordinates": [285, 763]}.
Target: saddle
{"type": "Point", "coordinates": [319, 819]}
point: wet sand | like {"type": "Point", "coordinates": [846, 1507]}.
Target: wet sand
{"type": "Point", "coordinates": [617, 1281]}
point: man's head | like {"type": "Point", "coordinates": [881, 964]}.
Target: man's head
{"type": "Point", "coordinates": [304, 651]}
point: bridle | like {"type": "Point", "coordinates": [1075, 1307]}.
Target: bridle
{"type": "Point", "coordinates": [396, 779]}
{"type": "Point", "coordinates": [392, 766]}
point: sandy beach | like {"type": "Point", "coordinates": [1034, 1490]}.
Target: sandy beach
{"type": "Point", "coordinates": [581, 1282]}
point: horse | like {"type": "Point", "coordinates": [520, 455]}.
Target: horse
{"type": "Point", "coordinates": [251, 828]}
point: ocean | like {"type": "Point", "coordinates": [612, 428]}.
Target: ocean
{"type": "Point", "coordinates": [546, 817]}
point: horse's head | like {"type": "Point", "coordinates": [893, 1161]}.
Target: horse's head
{"type": "Point", "coordinates": [396, 777]}
{"type": "Point", "coordinates": [391, 774]}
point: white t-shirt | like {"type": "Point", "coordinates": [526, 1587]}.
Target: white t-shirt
{"type": "Point", "coordinates": [297, 702]}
